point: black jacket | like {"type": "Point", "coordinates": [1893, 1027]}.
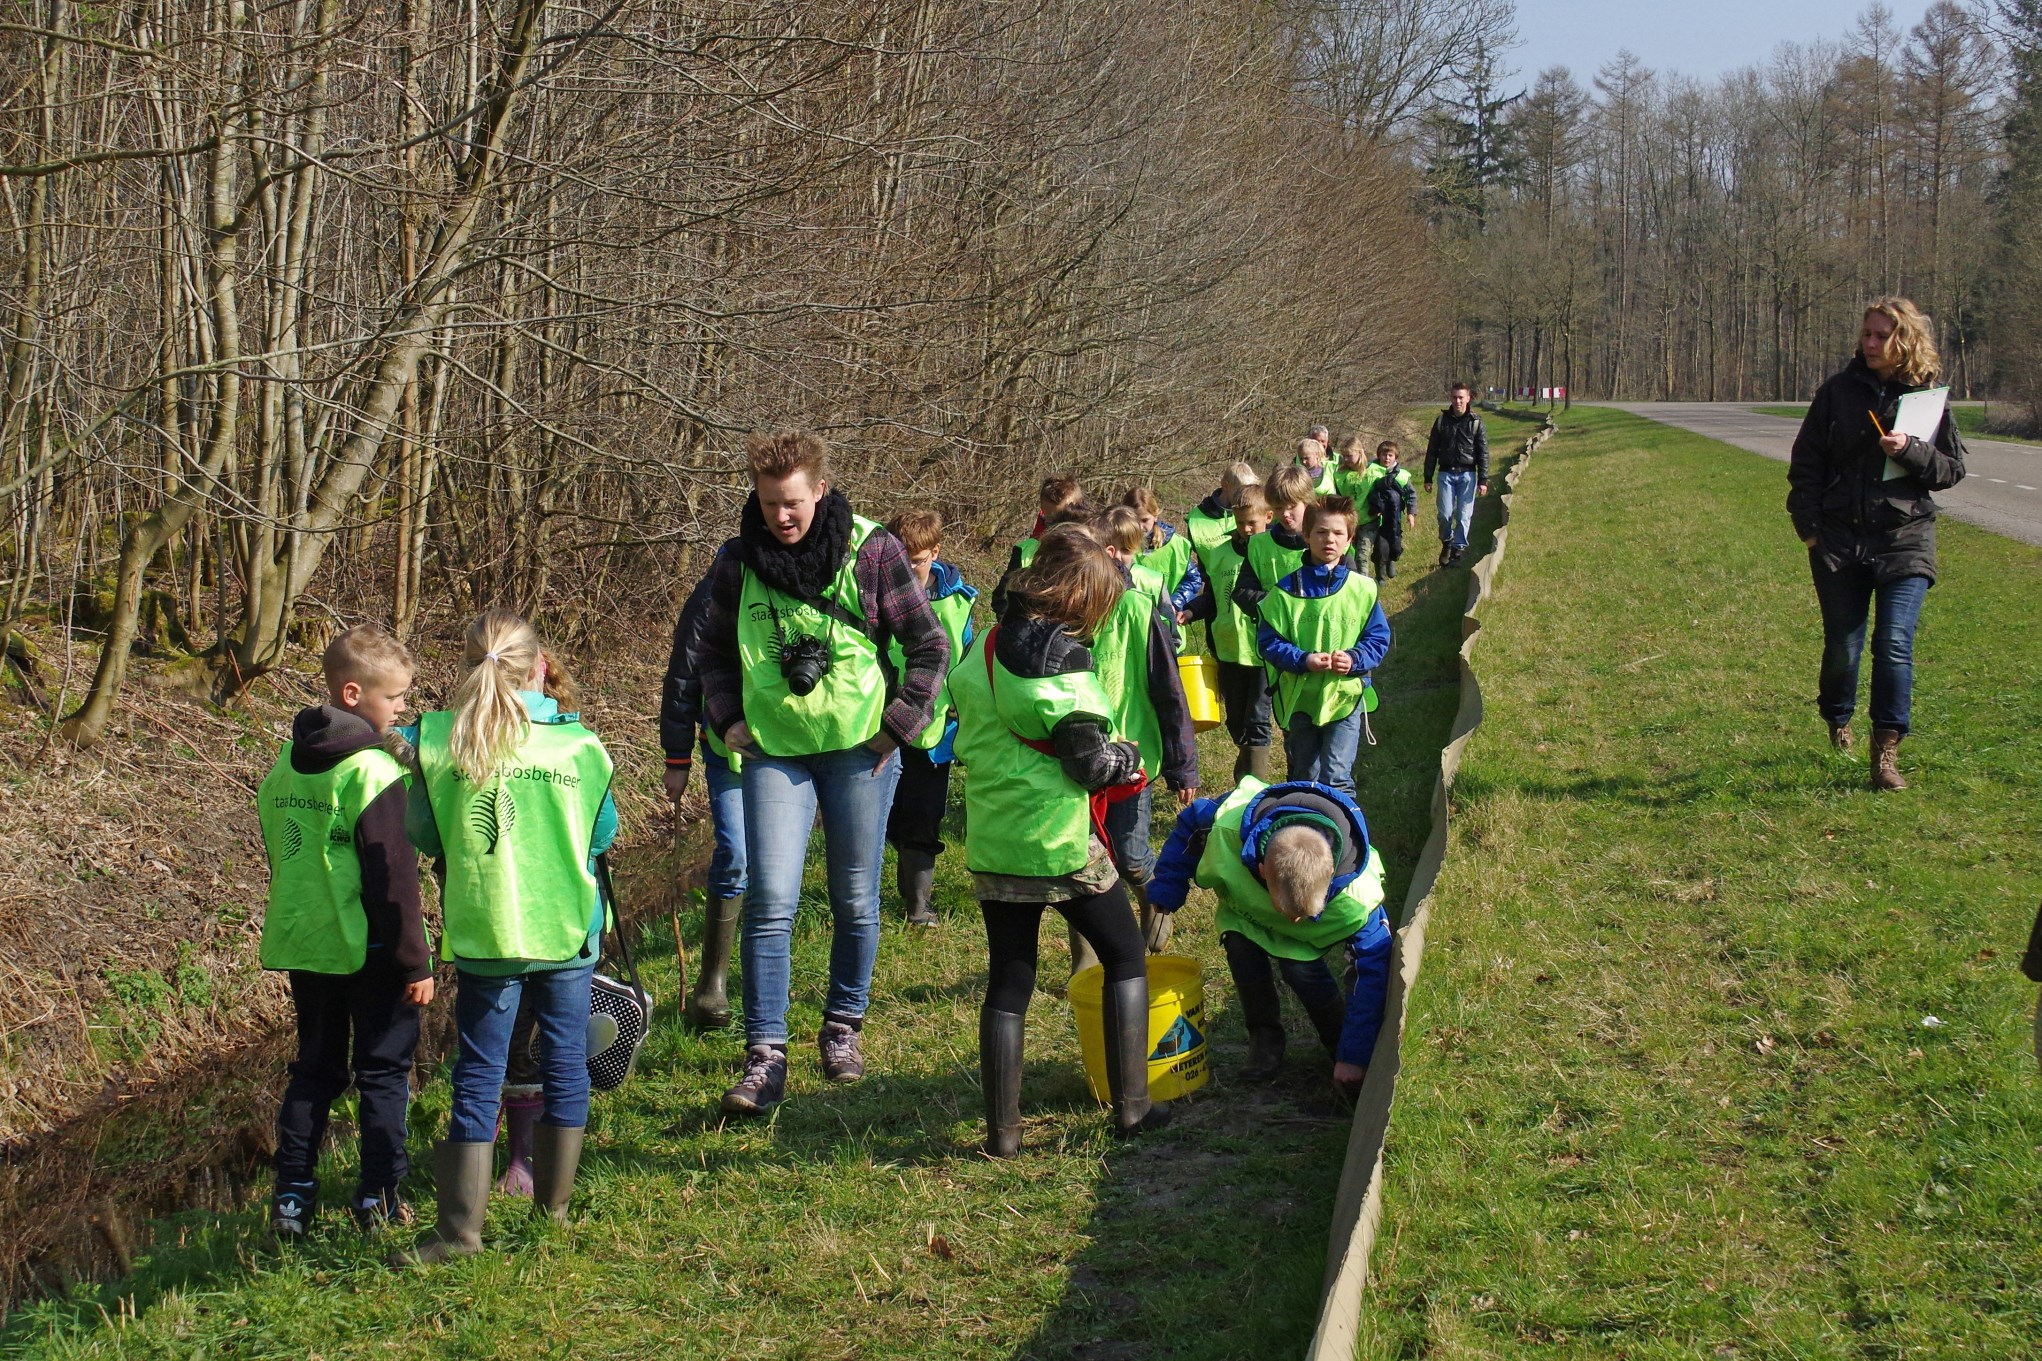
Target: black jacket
{"type": "Point", "coordinates": [1837, 492]}
{"type": "Point", "coordinates": [1456, 444]}
{"type": "Point", "coordinates": [680, 707]}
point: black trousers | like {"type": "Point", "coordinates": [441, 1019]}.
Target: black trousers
{"type": "Point", "coordinates": [1254, 972]}
{"type": "Point", "coordinates": [1013, 930]}
{"type": "Point", "coordinates": [1389, 543]}
{"type": "Point", "coordinates": [915, 822]}
{"type": "Point", "coordinates": [352, 1028]}
{"type": "Point", "coordinates": [1244, 691]}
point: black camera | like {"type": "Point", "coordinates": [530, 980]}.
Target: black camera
{"type": "Point", "coordinates": [804, 661]}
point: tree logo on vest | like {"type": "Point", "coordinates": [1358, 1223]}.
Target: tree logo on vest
{"type": "Point", "coordinates": [491, 815]}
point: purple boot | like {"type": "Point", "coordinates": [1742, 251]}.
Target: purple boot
{"type": "Point", "coordinates": [520, 1114]}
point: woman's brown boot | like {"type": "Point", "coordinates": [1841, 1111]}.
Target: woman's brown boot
{"type": "Point", "coordinates": [1886, 759]}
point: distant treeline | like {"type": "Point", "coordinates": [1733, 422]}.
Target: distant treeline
{"type": "Point", "coordinates": [1653, 236]}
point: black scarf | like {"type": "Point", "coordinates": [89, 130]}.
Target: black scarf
{"type": "Point", "coordinates": [804, 569]}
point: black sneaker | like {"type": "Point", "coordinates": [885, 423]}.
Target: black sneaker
{"type": "Point", "coordinates": [764, 1083]}
{"type": "Point", "coordinates": [1454, 558]}
{"type": "Point", "coordinates": [843, 1054]}
{"type": "Point", "coordinates": [291, 1210]}
{"type": "Point", "coordinates": [1446, 551]}
{"type": "Point", "coordinates": [377, 1211]}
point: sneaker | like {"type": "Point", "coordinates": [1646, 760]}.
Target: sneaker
{"type": "Point", "coordinates": [291, 1210]}
{"type": "Point", "coordinates": [1446, 550]}
{"type": "Point", "coordinates": [843, 1055]}
{"type": "Point", "coordinates": [1453, 559]}
{"type": "Point", "coordinates": [375, 1212]}
{"type": "Point", "coordinates": [764, 1083]}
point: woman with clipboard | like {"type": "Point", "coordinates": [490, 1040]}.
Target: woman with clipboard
{"type": "Point", "coordinates": [1877, 440]}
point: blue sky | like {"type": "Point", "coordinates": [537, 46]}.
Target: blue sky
{"type": "Point", "coordinates": [1704, 40]}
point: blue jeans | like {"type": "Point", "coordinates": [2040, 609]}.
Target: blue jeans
{"type": "Point", "coordinates": [1323, 755]}
{"type": "Point", "coordinates": [1846, 596]}
{"type": "Point", "coordinates": [782, 795]}
{"type": "Point", "coordinates": [485, 1012]}
{"type": "Point", "coordinates": [1127, 836]}
{"type": "Point", "coordinates": [726, 822]}
{"type": "Point", "coordinates": [1456, 507]}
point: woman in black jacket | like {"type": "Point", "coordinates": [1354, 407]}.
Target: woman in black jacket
{"type": "Point", "coordinates": [1859, 498]}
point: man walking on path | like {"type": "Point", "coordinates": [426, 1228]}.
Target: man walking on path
{"type": "Point", "coordinates": [1457, 452]}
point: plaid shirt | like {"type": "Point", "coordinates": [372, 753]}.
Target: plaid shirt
{"type": "Point", "coordinates": [894, 605]}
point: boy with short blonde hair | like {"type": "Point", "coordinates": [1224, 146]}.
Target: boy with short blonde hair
{"type": "Point", "coordinates": [343, 919]}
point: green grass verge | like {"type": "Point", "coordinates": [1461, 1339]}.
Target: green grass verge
{"type": "Point", "coordinates": [860, 1221]}
{"type": "Point", "coordinates": [1670, 1089]}
{"type": "Point", "coordinates": [1970, 421]}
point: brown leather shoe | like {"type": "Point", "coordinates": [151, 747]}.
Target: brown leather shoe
{"type": "Point", "coordinates": [1886, 759]}
{"type": "Point", "coordinates": [1840, 735]}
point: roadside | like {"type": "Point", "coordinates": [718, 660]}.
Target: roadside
{"type": "Point", "coordinates": [1716, 1053]}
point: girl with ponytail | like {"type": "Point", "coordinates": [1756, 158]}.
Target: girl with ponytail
{"type": "Point", "coordinates": [514, 794]}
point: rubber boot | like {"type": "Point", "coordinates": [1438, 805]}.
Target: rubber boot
{"type": "Point", "coordinates": [1241, 763]}
{"type": "Point", "coordinates": [1261, 1009]}
{"type": "Point", "coordinates": [556, 1153]}
{"type": "Point", "coordinates": [999, 1076]}
{"type": "Point", "coordinates": [1886, 759]}
{"type": "Point", "coordinates": [709, 1003]}
{"type": "Point", "coordinates": [462, 1173]}
{"type": "Point", "coordinates": [1127, 1058]}
{"type": "Point", "coordinates": [1155, 926]}
{"type": "Point", "coordinates": [1259, 763]}
{"type": "Point", "coordinates": [916, 872]}
{"type": "Point", "coordinates": [1082, 955]}
{"type": "Point", "coordinates": [520, 1113]}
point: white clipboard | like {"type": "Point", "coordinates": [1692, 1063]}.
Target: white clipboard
{"type": "Point", "coordinates": [1920, 414]}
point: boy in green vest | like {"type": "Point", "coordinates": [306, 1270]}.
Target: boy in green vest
{"type": "Point", "coordinates": [1135, 655]}
{"type": "Point", "coordinates": [914, 825]}
{"type": "Point", "coordinates": [344, 920]}
{"type": "Point", "coordinates": [1322, 631]}
{"type": "Point", "coordinates": [1276, 551]}
{"type": "Point", "coordinates": [1243, 683]}
{"type": "Point", "coordinates": [1296, 877]}
{"type": "Point", "coordinates": [1391, 503]}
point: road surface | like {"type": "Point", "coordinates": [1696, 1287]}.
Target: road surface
{"type": "Point", "coordinates": [2002, 490]}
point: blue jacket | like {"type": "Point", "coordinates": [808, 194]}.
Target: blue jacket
{"type": "Point", "coordinates": [1369, 948]}
{"type": "Point", "coordinates": [1315, 582]}
{"type": "Point", "coordinates": [945, 580]}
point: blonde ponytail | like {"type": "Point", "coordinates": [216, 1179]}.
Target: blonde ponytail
{"type": "Point", "coordinates": [500, 651]}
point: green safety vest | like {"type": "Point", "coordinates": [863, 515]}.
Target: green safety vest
{"type": "Point", "coordinates": [1022, 814]}
{"type": "Point", "coordinates": [1328, 477]}
{"type": "Point", "coordinates": [845, 707]}
{"type": "Point", "coordinates": [1120, 654]}
{"type": "Point", "coordinates": [517, 849]}
{"type": "Point", "coordinates": [1206, 531]}
{"type": "Point", "coordinates": [953, 612]}
{"type": "Point", "coordinates": [1148, 581]}
{"type": "Point", "coordinates": [1233, 629]}
{"type": "Point", "coordinates": [1356, 486]}
{"type": "Point", "coordinates": [1329, 624]}
{"type": "Point", "coordinates": [723, 753]}
{"type": "Point", "coordinates": [1170, 562]}
{"type": "Point", "coordinates": [1024, 552]}
{"type": "Point", "coordinates": [1271, 560]}
{"type": "Point", "coordinates": [315, 922]}
{"type": "Point", "coordinates": [1244, 904]}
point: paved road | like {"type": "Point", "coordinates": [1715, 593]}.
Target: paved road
{"type": "Point", "coordinates": [2002, 490]}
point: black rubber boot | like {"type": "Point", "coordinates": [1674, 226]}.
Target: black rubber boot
{"type": "Point", "coordinates": [999, 1076]}
{"type": "Point", "coordinates": [916, 871]}
{"type": "Point", "coordinates": [1261, 1009]}
{"type": "Point", "coordinates": [462, 1174]}
{"type": "Point", "coordinates": [1259, 763]}
{"type": "Point", "coordinates": [1241, 763]}
{"type": "Point", "coordinates": [1082, 955]}
{"type": "Point", "coordinates": [1127, 1058]}
{"type": "Point", "coordinates": [556, 1154]}
{"type": "Point", "coordinates": [709, 1003]}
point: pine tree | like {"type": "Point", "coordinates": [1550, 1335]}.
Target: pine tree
{"type": "Point", "coordinates": [2018, 319]}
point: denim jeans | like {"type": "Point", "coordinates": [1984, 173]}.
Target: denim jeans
{"type": "Point", "coordinates": [726, 822]}
{"type": "Point", "coordinates": [1127, 836]}
{"type": "Point", "coordinates": [485, 1013]}
{"type": "Point", "coordinates": [1847, 595]}
{"type": "Point", "coordinates": [1244, 692]}
{"type": "Point", "coordinates": [1323, 755]}
{"type": "Point", "coordinates": [782, 795]}
{"type": "Point", "coordinates": [1456, 507]}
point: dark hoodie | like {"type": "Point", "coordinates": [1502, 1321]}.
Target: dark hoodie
{"type": "Point", "coordinates": [321, 738]}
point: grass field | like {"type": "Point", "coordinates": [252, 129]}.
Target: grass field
{"type": "Point", "coordinates": [1970, 421]}
{"type": "Point", "coordinates": [1715, 1052]}
{"type": "Point", "coordinates": [861, 1221]}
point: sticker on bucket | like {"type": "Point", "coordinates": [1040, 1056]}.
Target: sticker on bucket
{"type": "Point", "coordinates": [1180, 1038]}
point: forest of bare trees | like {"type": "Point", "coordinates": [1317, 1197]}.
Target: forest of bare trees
{"type": "Point", "coordinates": [1641, 234]}
{"type": "Point", "coordinates": [316, 310]}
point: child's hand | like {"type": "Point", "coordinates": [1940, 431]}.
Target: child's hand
{"type": "Point", "coordinates": [1411, 521]}
{"type": "Point", "coordinates": [1318, 661]}
{"type": "Point", "coordinates": [419, 994]}
{"type": "Point", "coordinates": [1343, 663]}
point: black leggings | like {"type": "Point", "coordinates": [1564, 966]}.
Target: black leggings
{"type": "Point", "coordinates": [1012, 930]}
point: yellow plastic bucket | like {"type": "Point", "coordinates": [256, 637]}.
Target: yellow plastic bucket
{"type": "Point", "coordinates": [1201, 677]}
{"type": "Point", "coordinates": [1177, 1056]}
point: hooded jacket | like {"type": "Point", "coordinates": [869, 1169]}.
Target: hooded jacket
{"type": "Point", "coordinates": [1837, 490]}
{"type": "Point", "coordinates": [321, 738]}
